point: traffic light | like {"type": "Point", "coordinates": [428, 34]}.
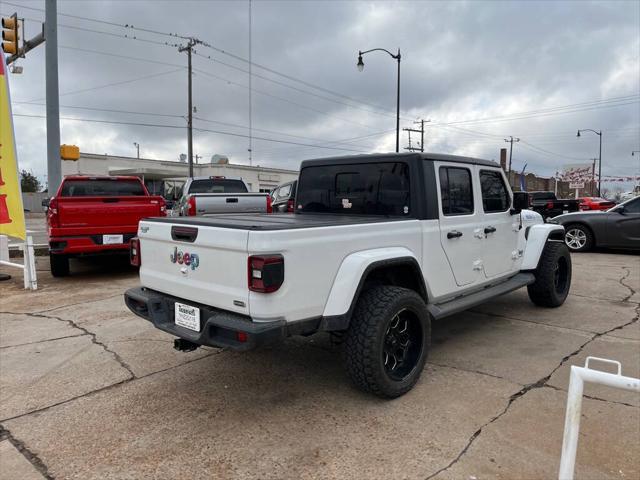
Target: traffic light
{"type": "Point", "coordinates": [10, 34]}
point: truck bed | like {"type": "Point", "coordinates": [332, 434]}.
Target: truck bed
{"type": "Point", "coordinates": [265, 222]}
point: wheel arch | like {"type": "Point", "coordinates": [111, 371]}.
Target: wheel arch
{"type": "Point", "coordinates": [537, 237]}
{"type": "Point", "coordinates": [399, 269]}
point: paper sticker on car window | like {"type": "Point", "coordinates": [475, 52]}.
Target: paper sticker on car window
{"type": "Point", "coordinates": [346, 203]}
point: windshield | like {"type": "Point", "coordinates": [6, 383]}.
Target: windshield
{"type": "Point", "coordinates": [217, 185]}
{"type": "Point", "coordinates": [358, 189]}
{"type": "Point", "coordinates": [101, 188]}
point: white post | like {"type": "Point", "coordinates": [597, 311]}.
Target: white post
{"type": "Point", "coordinates": [578, 376]}
{"type": "Point", "coordinates": [29, 265]}
{"type": "Point", "coordinates": [30, 279]}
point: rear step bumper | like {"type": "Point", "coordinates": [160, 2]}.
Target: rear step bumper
{"type": "Point", "coordinates": [218, 328]}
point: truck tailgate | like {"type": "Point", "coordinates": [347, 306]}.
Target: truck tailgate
{"type": "Point", "coordinates": [207, 203]}
{"type": "Point", "coordinates": [87, 213]}
{"type": "Point", "coordinates": [213, 274]}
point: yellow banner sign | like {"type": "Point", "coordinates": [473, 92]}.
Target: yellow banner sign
{"type": "Point", "coordinates": [11, 210]}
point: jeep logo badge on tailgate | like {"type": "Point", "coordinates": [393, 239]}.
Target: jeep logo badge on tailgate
{"type": "Point", "coordinates": [185, 258]}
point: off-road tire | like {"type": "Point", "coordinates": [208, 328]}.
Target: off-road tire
{"type": "Point", "coordinates": [59, 265]}
{"type": "Point", "coordinates": [364, 341]}
{"type": "Point", "coordinates": [588, 237]}
{"type": "Point", "coordinates": [553, 276]}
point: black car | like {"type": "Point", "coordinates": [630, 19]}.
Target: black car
{"type": "Point", "coordinates": [283, 197]}
{"type": "Point", "coordinates": [618, 227]}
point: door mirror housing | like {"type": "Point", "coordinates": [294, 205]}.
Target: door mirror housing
{"type": "Point", "coordinates": [621, 210]}
{"type": "Point", "coordinates": [520, 202]}
{"type": "Point", "coordinates": [45, 202]}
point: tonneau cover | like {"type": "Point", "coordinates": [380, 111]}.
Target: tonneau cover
{"type": "Point", "coordinates": [285, 221]}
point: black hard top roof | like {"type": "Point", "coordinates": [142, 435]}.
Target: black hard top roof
{"type": "Point", "coordinates": [386, 157]}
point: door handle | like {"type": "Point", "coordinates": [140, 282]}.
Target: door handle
{"type": "Point", "coordinates": [489, 230]}
{"type": "Point", "coordinates": [454, 234]}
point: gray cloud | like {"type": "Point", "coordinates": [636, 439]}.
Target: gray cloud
{"type": "Point", "coordinates": [461, 61]}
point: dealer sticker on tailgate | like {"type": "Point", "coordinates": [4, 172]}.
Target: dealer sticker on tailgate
{"type": "Point", "coordinates": [187, 316]}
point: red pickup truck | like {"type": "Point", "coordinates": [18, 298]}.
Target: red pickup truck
{"type": "Point", "coordinates": [95, 215]}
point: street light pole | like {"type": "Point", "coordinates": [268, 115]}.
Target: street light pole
{"type": "Point", "coordinates": [396, 57]}
{"type": "Point", "coordinates": [137, 145]}
{"type": "Point", "coordinates": [599, 133]}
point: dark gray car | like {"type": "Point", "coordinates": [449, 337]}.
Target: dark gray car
{"type": "Point", "coordinates": [618, 227]}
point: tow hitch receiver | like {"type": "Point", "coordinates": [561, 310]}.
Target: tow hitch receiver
{"type": "Point", "coordinates": [183, 345]}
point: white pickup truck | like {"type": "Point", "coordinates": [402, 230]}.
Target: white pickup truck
{"type": "Point", "coordinates": [218, 194]}
{"type": "Point", "coordinates": [379, 246]}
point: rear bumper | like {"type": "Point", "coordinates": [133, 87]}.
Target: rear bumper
{"type": "Point", "coordinates": [89, 244]}
{"type": "Point", "coordinates": [218, 328]}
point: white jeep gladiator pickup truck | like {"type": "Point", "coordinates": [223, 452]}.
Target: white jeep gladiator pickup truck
{"type": "Point", "coordinates": [379, 247]}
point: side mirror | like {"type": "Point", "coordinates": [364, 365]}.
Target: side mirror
{"type": "Point", "coordinates": [520, 202]}
{"type": "Point", "coordinates": [45, 202]}
{"type": "Point", "coordinates": [621, 210]}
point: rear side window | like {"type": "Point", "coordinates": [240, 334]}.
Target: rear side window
{"type": "Point", "coordinates": [633, 206]}
{"type": "Point", "coordinates": [357, 189]}
{"type": "Point", "coordinates": [101, 188]}
{"type": "Point", "coordinates": [217, 185]}
{"type": "Point", "coordinates": [456, 191]}
{"type": "Point", "coordinates": [542, 195]}
{"type": "Point", "coordinates": [495, 197]}
{"type": "Point", "coordinates": [284, 191]}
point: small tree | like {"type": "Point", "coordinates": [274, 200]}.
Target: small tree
{"type": "Point", "coordinates": [29, 182]}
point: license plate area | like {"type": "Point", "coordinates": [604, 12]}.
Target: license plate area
{"type": "Point", "coordinates": [112, 239]}
{"type": "Point", "coordinates": [187, 316]}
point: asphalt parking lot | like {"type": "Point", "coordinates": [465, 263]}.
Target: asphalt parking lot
{"type": "Point", "coordinates": [87, 390]}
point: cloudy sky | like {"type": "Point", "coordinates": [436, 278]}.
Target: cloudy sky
{"type": "Point", "coordinates": [480, 71]}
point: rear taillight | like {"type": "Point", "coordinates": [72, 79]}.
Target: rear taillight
{"type": "Point", "coordinates": [134, 252]}
{"type": "Point", "coordinates": [163, 208]}
{"type": "Point", "coordinates": [265, 273]}
{"type": "Point", "coordinates": [290, 205]}
{"type": "Point", "coordinates": [549, 205]}
{"type": "Point", "coordinates": [52, 213]}
{"type": "Point", "coordinates": [269, 207]}
{"type": "Point", "coordinates": [191, 206]}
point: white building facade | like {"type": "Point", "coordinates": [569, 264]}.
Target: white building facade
{"type": "Point", "coordinates": [161, 175]}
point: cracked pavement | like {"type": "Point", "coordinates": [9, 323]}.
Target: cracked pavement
{"type": "Point", "coordinates": [87, 390]}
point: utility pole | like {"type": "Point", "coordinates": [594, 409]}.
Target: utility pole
{"type": "Point", "coordinates": [137, 145]}
{"type": "Point", "coordinates": [188, 48]}
{"type": "Point", "coordinates": [197, 157]}
{"type": "Point", "coordinates": [421, 132]}
{"type": "Point", "coordinates": [54, 164]}
{"type": "Point", "coordinates": [593, 176]}
{"type": "Point", "coordinates": [511, 140]}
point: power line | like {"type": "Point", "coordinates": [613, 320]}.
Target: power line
{"type": "Point", "coordinates": [559, 110]}
{"type": "Point", "coordinates": [286, 100]}
{"type": "Point", "coordinates": [208, 45]}
{"type": "Point", "coordinates": [550, 152]}
{"type": "Point", "coordinates": [265, 130]}
{"type": "Point", "coordinates": [113, 84]}
{"type": "Point", "coordinates": [273, 140]}
{"type": "Point", "coordinates": [93, 120]}
{"type": "Point", "coordinates": [116, 55]}
{"type": "Point", "coordinates": [104, 22]}
{"type": "Point", "coordinates": [301, 90]}
{"type": "Point", "coordinates": [109, 110]}
{"type": "Point", "coordinates": [219, 132]}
